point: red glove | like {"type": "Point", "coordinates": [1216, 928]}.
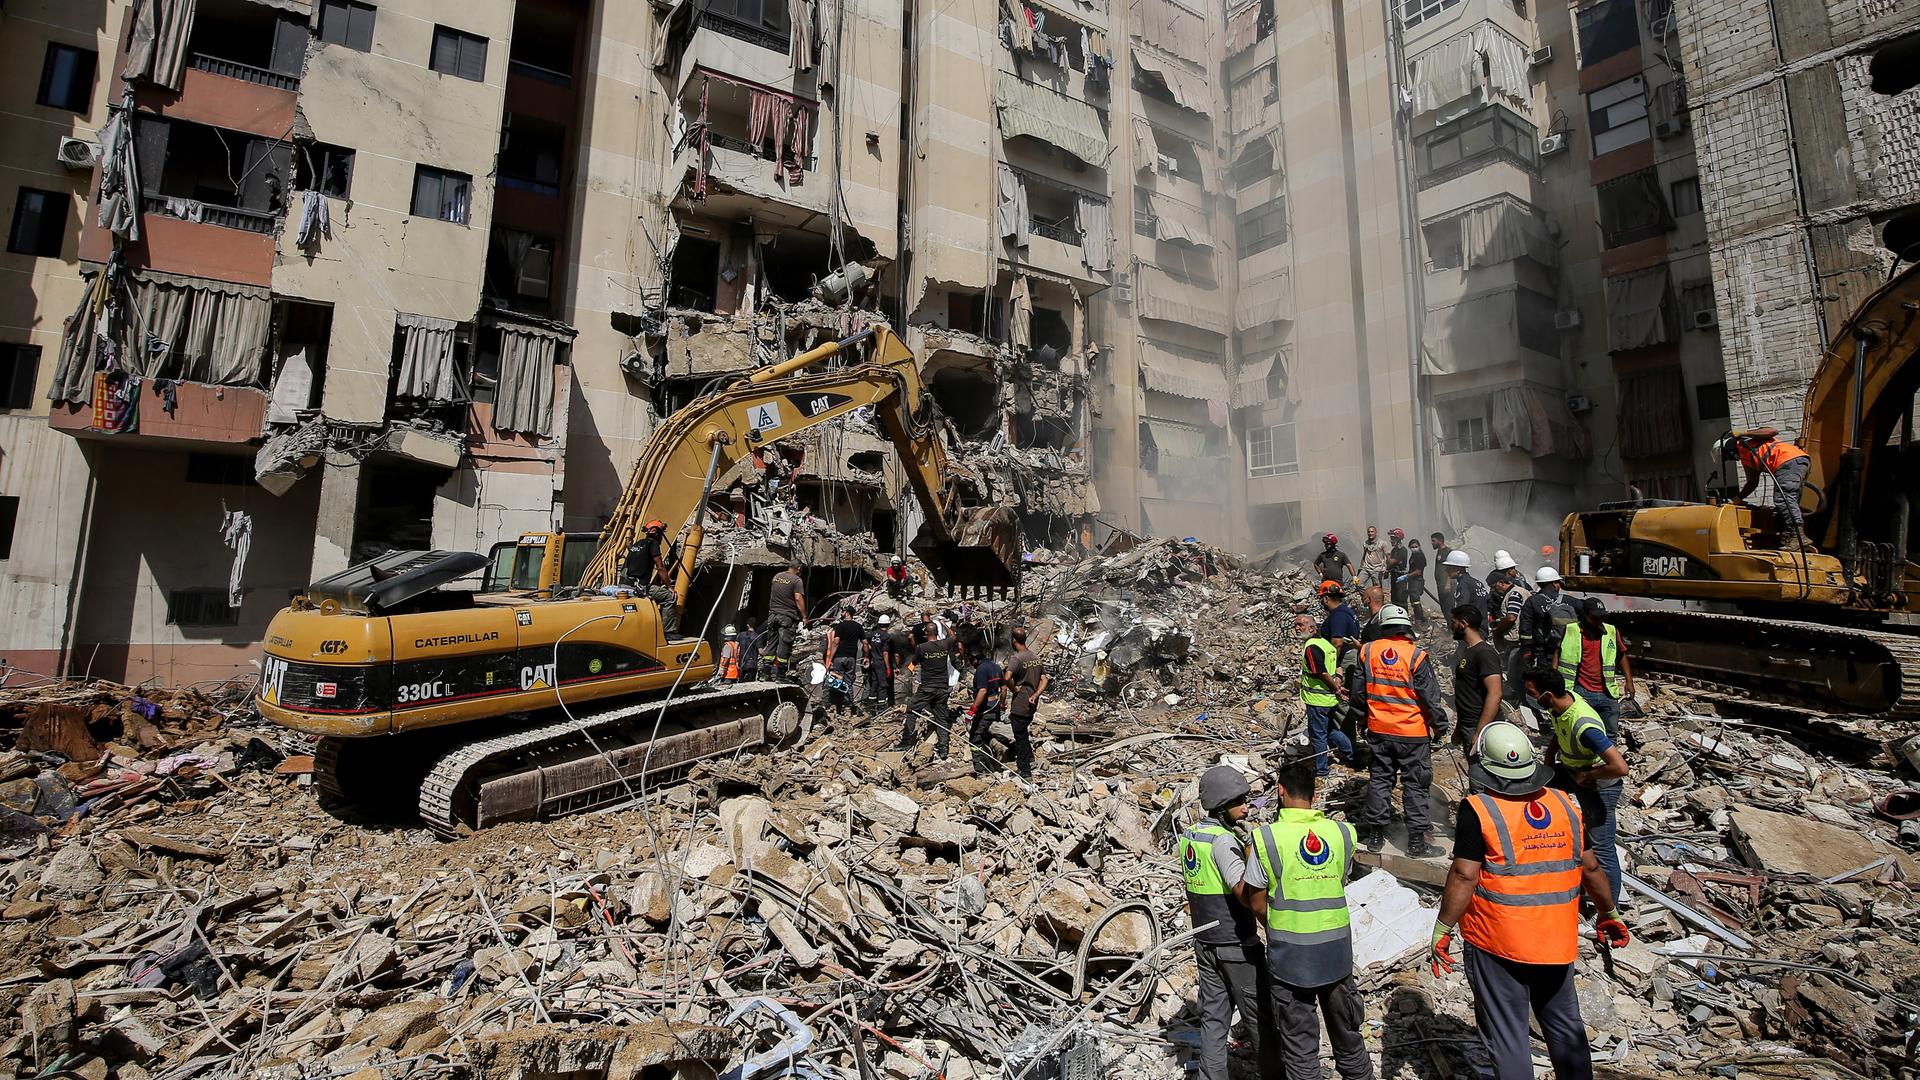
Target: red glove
{"type": "Point", "coordinates": [973, 711]}
{"type": "Point", "coordinates": [1610, 930]}
{"type": "Point", "coordinates": [1438, 951]}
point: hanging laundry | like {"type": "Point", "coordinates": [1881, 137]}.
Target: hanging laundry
{"type": "Point", "coordinates": [168, 391]}
{"type": "Point", "coordinates": [315, 219]}
{"type": "Point", "coordinates": [236, 531]}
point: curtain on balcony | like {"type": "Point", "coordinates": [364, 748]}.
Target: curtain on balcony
{"type": "Point", "coordinates": [1020, 312]}
{"type": "Point", "coordinates": [1501, 231]}
{"type": "Point", "coordinates": [1158, 295]}
{"type": "Point", "coordinates": [800, 44]}
{"type": "Point", "coordinates": [1653, 413]}
{"type": "Point", "coordinates": [1012, 214]}
{"type": "Point", "coordinates": [1188, 87]}
{"type": "Point", "coordinates": [1525, 418]}
{"type": "Point", "coordinates": [120, 175]}
{"type": "Point", "coordinates": [524, 400]}
{"type": "Point", "coordinates": [1176, 221]}
{"type": "Point", "coordinates": [1458, 337]}
{"type": "Point", "coordinates": [1172, 27]}
{"type": "Point", "coordinates": [1483, 58]}
{"type": "Point", "coordinates": [1096, 233]}
{"type": "Point", "coordinates": [1169, 372]}
{"type": "Point", "coordinates": [1639, 310]}
{"type": "Point", "coordinates": [427, 367]}
{"type": "Point", "coordinates": [1250, 382]}
{"type": "Point", "coordinates": [157, 47]}
{"type": "Point", "coordinates": [1072, 125]}
{"type": "Point", "coordinates": [73, 378]}
{"type": "Point", "coordinates": [1264, 301]}
{"type": "Point", "coordinates": [1243, 29]}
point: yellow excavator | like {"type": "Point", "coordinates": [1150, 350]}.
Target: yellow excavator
{"type": "Point", "coordinates": [1831, 631]}
{"type": "Point", "coordinates": [556, 687]}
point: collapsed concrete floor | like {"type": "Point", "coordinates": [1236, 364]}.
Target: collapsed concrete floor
{"type": "Point", "coordinates": [179, 905]}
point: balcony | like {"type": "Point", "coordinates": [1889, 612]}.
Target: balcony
{"type": "Point", "coordinates": [1055, 230]}
{"type": "Point", "coordinates": [761, 34]}
{"type": "Point", "coordinates": [227, 217]}
{"type": "Point", "coordinates": [233, 69]}
{"type": "Point", "coordinates": [203, 415]}
{"type": "Point", "coordinates": [1468, 444]}
{"type": "Point", "coordinates": [764, 151]}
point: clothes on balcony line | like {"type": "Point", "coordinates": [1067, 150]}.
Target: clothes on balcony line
{"type": "Point", "coordinates": [120, 198]}
{"type": "Point", "coordinates": [82, 342]}
{"type": "Point", "coordinates": [168, 391]}
{"type": "Point", "coordinates": [428, 370]}
{"type": "Point", "coordinates": [316, 220]}
{"type": "Point", "coordinates": [116, 401]}
{"type": "Point", "coordinates": [236, 531]}
{"type": "Point", "coordinates": [1011, 214]}
{"type": "Point", "coordinates": [157, 45]}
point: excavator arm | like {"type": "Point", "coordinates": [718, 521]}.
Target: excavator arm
{"type": "Point", "coordinates": [674, 475]}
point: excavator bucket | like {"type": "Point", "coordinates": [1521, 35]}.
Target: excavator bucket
{"type": "Point", "coordinates": [984, 553]}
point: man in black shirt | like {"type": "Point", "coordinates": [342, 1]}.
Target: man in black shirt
{"type": "Point", "coordinates": [1333, 564]}
{"type": "Point", "coordinates": [647, 571]}
{"type": "Point", "coordinates": [749, 652]}
{"type": "Point", "coordinates": [1026, 682]}
{"type": "Point", "coordinates": [1416, 579]}
{"type": "Point", "coordinates": [786, 610]}
{"type": "Point", "coordinates": [931, 658]}
{"type": "Point", "coordinates": [1397, 568]}
{"type": "Point", "coordinates": [879, 664]}
{"type": "Point", "coordinates": [899, 649]}
{"type": "Point", "coordinates": [985, 710]}
{"type": "Point", "coordinates": [843, 658]}
{"type": "Point", "coordinates": [1476, 677]}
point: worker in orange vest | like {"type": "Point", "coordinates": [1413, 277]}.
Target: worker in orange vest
{"type": "Point", "coordinates": [1400, 691]}
{"type": "Point", "coordinates": [1760, 451]}
{"type": "Point", "coordinates": [1519, 866]}
{"type": "Point", "coordinates": [730, 656]}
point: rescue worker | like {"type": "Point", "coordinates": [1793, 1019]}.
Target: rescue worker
{"type": "Point", "coordinates": [1460, 588]}
{"type": "Point", "coordinates": [1320, 694]}
{"type": "Point", "coordinates": [897, 579]}
{"type": "Point", "coordinates": [1026, 683]}
{"type": "Point", "coordinates": [1416, 578]}
{"type": "Point", "coordinates": [1593, 661]}
{"type": "Point", "coordinates": [1374, 597]}
{"type": "Point", "coordinates": [1761, 451]}
{"type": "Point", "coordinates": [989, 685]}
{"type": "Point", "coordinates": [932, 657]}
{"type": "Point", "coordinates": [650, 575]}
{"type": "Point", "coordinates": [1373, 560]}
{"type": "Point", "coordinates": [730, 656]}
{"type": "Point", "coordinates": [750, 652]}
{"type": "Point", "coordinates": [1544, 617]}
{"type": "Point", "coordinates": [1440, 548]}
{"type": "Point", "coordinates": [1477, 683]}
{"type": "Point", "coordinates": [786, 610]}
{"type": "Point", "coordinates": [844, 639]}
{"type": "Point", "coordinates": [1333, 564]}
{"type": "Point", "coordinates": [1586, 764]}
{"type": "Point", "coordinates": [1513, 891]}
{"type": "Point", "coordinates": [1504, 565]}
{"type": "Point", "coordinates": [879, 657]}
{"type": "Point", "coordinates": [1297, 882]}
{"type": "Point", "coordinates": [1401, 692]}
{"type": "Point", "coordinates": [1232, 974]}
{"type": "Point", "coordinates": [1397, 567]}
{"type": "Point", "coordinates": [1340, 625]}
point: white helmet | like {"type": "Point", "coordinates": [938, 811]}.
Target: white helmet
{"type": "Point", "coordinates": [1459, 558]}
{"type": "Point", "coordinates": [886, 620]}
{"type": "Point", "coordinates": [1503, 561]}
{"type": "Point", "coordinates": [729, 631]}
{"type": "Point", "coordinates": [1546, 574]}
{"type": "Point", "coordinates": [1392, 616]}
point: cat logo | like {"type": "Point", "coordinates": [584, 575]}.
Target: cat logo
{"type": "Point", "coordinates": [537, 677]}
{"type": "Point", "coordinates": [817, 404]}
{"type": "Point", "coordinates": [1673, 566]}
{"type": "Point", "coordinates": [273, 679]}
{"type": "Point", "coordinates": [332, 648]}
{"type": "Point", "coordinates": [764, 417]}
{"type": "Point", "coordinates": [524, 618]}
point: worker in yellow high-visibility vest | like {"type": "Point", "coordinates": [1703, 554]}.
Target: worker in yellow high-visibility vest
{"type": "Point", "coordinates": [1233, 972]}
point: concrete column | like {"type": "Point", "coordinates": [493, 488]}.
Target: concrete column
{"type": "Point", "coordinates": [333, 529]}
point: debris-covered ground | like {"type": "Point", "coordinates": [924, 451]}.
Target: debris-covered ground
{"type": "Point", "coordinates": [179, 905]}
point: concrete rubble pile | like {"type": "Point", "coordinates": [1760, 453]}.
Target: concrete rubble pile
{"type": "Point", "coordinates": [846, 911]}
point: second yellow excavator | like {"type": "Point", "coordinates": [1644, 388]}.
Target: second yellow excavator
{"type": "Point", "coordinates": [1831, 630]}
{"type": "Point", "coordinates": [553, 695]}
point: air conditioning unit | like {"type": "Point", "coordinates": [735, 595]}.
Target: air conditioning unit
{"type": "Point", "coordinates": [1539, 56]}
{"type": "Point", "coordinates": [1566, 319]}
{"type": "Point", "coordinates": [1704, 319]}
{"type": "Point", "coordinates": [1579, 403]}
{"type": "Point", "coordinates": [77, 153]}
{"type": "Point", "coordinates": [1667, 129]}
{"type": "Point", "coordinates": [1660, 24]}
{"type": "Point", "coordinates": [1553, 143]}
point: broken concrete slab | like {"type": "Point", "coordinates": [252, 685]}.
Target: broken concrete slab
{"type": "Point", "coordinates": [1786, 844]}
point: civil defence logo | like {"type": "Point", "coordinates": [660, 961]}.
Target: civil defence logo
{"type": "Point", "coordinates": [1192, 857]}
{"type": "Point", "coordinates": [1389, 657]}
{"type": "Point", "coordinates": [1538, 815]}
{"type": "Point", "coordinates": [1313, 850]}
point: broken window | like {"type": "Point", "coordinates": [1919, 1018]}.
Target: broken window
{"type": "Point", "coordinates": [1262, 227]}
{"type": "Point", "coordinates": [1273, 450]}
{"type": "Point", "coordinates": [19, 368]}
{"type": "Point", "coordinates": [395, 511]}
{"type": "Point", "coordinates": [1254, 164]}
{"type": "Point", "coordinates": [531, 151]}
{"type": "Point", "coordinates": [1273, 525]}
{"type": "Point", "coordinates": [324, 168]}
{"type": "Point", "coordinates": [456, 52]}
{"type": "Point", "coordinates": [760, 22]}
{"type": "Point", "coordinates": [1895, 67]}
{"type": "Point", "coordinates": [1050, 332]}
{"type": "Point", "coordinates": [201, 607]}
{"type": "Point", "coordinates": [299, 384]}
{"type": "Point", "coordinates": [1607, 29]}
{"type": "Point", "coordinates": [1052, 210]}
{"type": "Point", "coordinates": [39, 223]}
{"type": "Point", "coordinates": [66, 79]}
{"type": "Point", "coordinates": [345, 22]}
{"type": "Point", "coordinates": [1445, 251]}
{"type": "Point", "coordinates": [696, 267]}
{"type": "Point", "coordinates": [1632, 208]}
{"type": "Point", "coordinates": [206, 174]}
{"type": "Point", "coordinates": [520, 268]}
{"type": "Point", "coordinates": [441, 193]}
{"type": "Point", "coordinates": [252, 42]}
{"type": "Point", "coordinates": [1710, 401]}
{"type": "Point", "coordinates": [1617, 115]}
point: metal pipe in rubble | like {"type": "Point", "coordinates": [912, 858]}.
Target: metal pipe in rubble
{"type": "Point", "coordinates": [810, 357]}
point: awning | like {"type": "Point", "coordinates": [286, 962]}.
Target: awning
{"type": "Point", "coordinates": [1652, 412]}
{"type": "Point", "coordinates": [1470, 323]}
{"type": "Point", "coordinates": [1250, 383]}
{"type": "Point", "coordinates": [1539, 422]}
{"type": "Point", "coordinates": [1264, 301]}
{"type": "Point", "coordinates": [1639, 310]}
{"type": "Point", "coordinates": [1243, 29]}
{"type": "Point", "coordinates": [1158, 295]}
{"type": "Point", "coordinates": [1175, 27]}
{"type": "Point", "coordinates": [1188, 87]}
{"type": "Point", "coordinates": [1034, 111]}
{"type": "Point", "coordinates": [1184, 451]}
{"type": "Point", "coordinates": [1177, 221]}
{"type": "Point", "coordinates": [1169, 372]}
{"type": "Point", "coordinates": [1501, 231]}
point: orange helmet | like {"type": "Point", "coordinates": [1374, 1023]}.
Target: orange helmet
{"type": "Point", "coordinates": [656, 523]}
{"type": "Point", "coordinates": [1329, 588]}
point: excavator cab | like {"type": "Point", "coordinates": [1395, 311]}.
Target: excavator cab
{"type": "Point", "coordinates": [539, 562]}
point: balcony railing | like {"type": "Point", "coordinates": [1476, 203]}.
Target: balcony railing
{"type": "Point", "coordinates": [1632, 234]}
{"type": "Point", "coordinates": [233, 69]}
{"type": "Point", "coordinates": [752, 35]}
{"type": "Point", "coordinates": [535, 71]}
{"type": "Point", "coordinates": [227, 217]}
{"type": "Point", "coordinates": [1062, 232]}
{"type": "Point", "coordinates": [742, 146]}
{"type": "Point", "coordinates": [1468, 444]}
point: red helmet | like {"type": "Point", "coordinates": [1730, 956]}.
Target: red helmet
{"type": "Point", "coordinates": [1329, 539]}
{"type": "Point", "coordinates": [1397, 534]}
{"type": "Point", "coordinates": [654, 524]}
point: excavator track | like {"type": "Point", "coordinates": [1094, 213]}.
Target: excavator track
{"type": "Point", "coordinates": [600, 758]}
{"type": "Point", "coordinates": [1819, 667]}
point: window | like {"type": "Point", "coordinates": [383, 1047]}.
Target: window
{"type": "Point", "coordinates": [764, 22]}
{"type": "Point", "coordinates": [456, 52]}
{"type": "Point", "coordinates": [1711, 401]}
{"type": "Point", "coordinates": [1415, 12]}
{"type": "Point", "coordinates": [1617, 115]}
{"type": "Point", "coordinates": [1444, 250]}
{"type": "Point", "coordinates": [1632, 208]}
{"type": "Point", "coordinates": [530, 154]}
{"type": "Point", "coordinates": [227, 470]}
{"type": "Point", "coordinates": [39, 223]}
{"type": "Point", "coordinates": [1468, 435]}
{"type": "Point", "coordinates": [9, 513]}
{"type": "Point", "coordinates": [1480, 137]}
{"type": "Point", "coordinates": [1607, 28]}
{"type": "Point", "coordinates": [200, 607]}
{"type": "Point", "coordinates": [1255, 163]}
{"type": "Point", "coordinates": [1273, 525]}
{"type": "Point", "coordinates": [1533, 312]}
{"type": "Point", "coordinates": [1272, 450]}
{"type": "Point", "coordinates": [344, 22]}
{"type": "Point", "coordinates": [19, 369]}
{"type": "Point", "coordinates": [1686, 196]}
{"type": "Point", "coordinates": [1262, 227]}
{"type": "Point", "coordinates": [66, 81]}
{"type": "Point", "coordinates": [438, 193]}
{"type": "Point", "coordinates": [323, 168]}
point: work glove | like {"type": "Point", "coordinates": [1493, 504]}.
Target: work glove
{"type": "Point", "coordinates": [1438, 953]}
{"type": "Point", "coordinates": [972, 711]}
{"type": "Point", "coordinates": [1610, 930]}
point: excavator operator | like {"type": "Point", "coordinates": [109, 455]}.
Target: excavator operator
{"type": "Point", "coordinates": [647, 571]}
{"type": "Point", "coordinates": [1761, 451]}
